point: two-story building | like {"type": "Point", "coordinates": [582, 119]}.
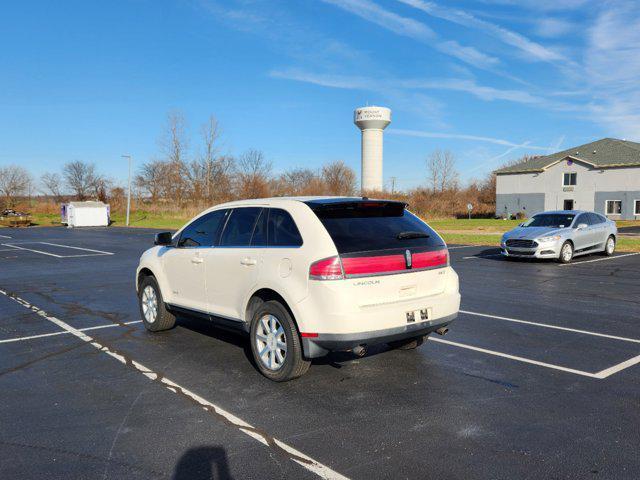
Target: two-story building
{"type": "Point", "coordinates": [602, 176]}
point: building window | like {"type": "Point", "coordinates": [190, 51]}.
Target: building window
{"type": "Point", "coordinates": [569, 179]}
{"type": "Point", "coordinates": [636, 208]}
{"type": "Point", "coordinates": [614, 207]}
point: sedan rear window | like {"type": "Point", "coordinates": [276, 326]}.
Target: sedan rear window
{"type": "Point", "coordinates": [366, 226]}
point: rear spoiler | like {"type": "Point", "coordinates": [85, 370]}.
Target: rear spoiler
{"type": "Point", "coordinates": [346, 204]}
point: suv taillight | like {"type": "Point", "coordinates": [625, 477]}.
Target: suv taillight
{"type": "Point", "coordinates": [326, 269]}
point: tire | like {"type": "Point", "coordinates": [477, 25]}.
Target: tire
{"type": "Point", "coordinates": [409, 344]}
{"type": "Point", "coordinates": [148, 295]}
{"type": "Point", "coordinates": [609, 246]}
{"type": "Point", "coordinates": [566, 253]}
{"type": "Point", "coordinates": [275, 334]}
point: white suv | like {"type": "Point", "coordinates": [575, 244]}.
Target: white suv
{"type": "Point", "coordinates": [303, 276]}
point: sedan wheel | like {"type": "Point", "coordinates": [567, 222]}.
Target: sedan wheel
{"type": "Point", "coordinates": [610, 246]}
{"type": "Point", "coordinates": [566, 253]}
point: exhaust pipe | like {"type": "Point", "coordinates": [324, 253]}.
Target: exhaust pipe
{"type": "Point", "coordinates": [442, 331]}
{"type": "Point", "coordinates": [360, 351]}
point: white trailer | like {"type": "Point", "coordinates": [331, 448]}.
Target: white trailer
{"type": "Point", "coordinates": [85, 214]}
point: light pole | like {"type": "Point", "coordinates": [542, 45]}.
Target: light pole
{"type": "Point", "coordinates": [129, 189]}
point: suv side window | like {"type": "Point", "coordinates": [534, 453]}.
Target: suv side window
{"type": "Point", "coordinates": [282, 230]}
{"type": "Point", "coordinates": [203, 232]}
{"type": "Point", "coordinates": [259, 238]}
{"type": "Point", "coordinates": [239, 228]}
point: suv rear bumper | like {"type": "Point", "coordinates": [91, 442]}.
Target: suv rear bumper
{"type": "Point", "coordinates": [326, 342]}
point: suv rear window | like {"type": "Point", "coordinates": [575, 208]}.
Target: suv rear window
{"type": "Point", "coordinates": [365, 226]}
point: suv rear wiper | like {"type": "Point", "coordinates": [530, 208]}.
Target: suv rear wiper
{"type": "Point", "coordinates": [403, 235]}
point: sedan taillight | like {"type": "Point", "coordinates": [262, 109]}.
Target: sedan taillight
{"type": "Point", "coordinates": [326, 269]}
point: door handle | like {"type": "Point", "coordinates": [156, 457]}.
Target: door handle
{"type": "Point", "coordinates": [197, 260]}
{"type": "Point", "coordinates": [248, 261]}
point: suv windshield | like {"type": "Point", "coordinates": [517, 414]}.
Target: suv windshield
{"type": "Point", "coordinates": [366, 226]}
{"type": "Point", "coordinates": [554, 220]}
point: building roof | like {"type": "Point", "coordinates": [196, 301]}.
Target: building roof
{"type": "Point", "coordinates": [604, 153]}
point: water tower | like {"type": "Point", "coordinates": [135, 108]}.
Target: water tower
{"type": "Point", "coordinates": [372, 121]}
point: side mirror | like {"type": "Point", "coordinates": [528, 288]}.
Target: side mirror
{"type": "Point", "coordinates": [582, 226]}
{"type": "Point", "coordinates": [163, 238]}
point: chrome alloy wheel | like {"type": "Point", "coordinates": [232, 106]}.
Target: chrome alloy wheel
{"type": "Point", "coordinates": [271, 342]}
{"type": "Point", "coordinates": [149, 304]}
{"type": "Point", "coordinates": [611, 245]}
{"type": "Point", "coordinates": [567, 252]}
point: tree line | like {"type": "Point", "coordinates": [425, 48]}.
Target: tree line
{"type": "Point", "coordinates": [205, 175]}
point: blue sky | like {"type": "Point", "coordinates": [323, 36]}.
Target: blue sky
{"type": "Point", "coordinates": [489, 80]}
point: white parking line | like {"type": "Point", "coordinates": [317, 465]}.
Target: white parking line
{"type": "Point", "coordinates": [556, 327]}
{"type": "Point", "coordinates": [516, 358]}
{"type": "Point", "coordinates": [94, 254]}
{"type": "Point", "coordinates": [78, 248]}
{"type": "Point", "coordinates": [462, 246]}
{"type": "Point", "coordinates": [65, 332]}
{"type": "Point", "coordinates": [599, 259]}
{"type": "Point", "coordinates": [300, 458]}
{"type": "Point", "coordinates": [31, 250]}
{"type": "Point", "coordinates": [601, 375]}
{"type": "Point", "coordinates": [4, 236]}
{"type": "Point", "coordinates": [618, 368]}
{"type": "Point", "coordinates": [492, 255]}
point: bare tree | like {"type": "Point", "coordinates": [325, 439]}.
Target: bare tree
{"type": "Point", "coordinates": [100, 188]}
{"type": "Point", "coordinates": [175, 147]}
{"type": "Point", "coordinates": [299, 181]}
{"type": "Point", "coordinates": [150, 179]}
{"type": "Point", "coordinates": [80, 178]}
{"type": "Point", "coordinates": [210, 133]}
{"type": "Point", "coordinates": [223, 171]}
{"type": "Point", "coordinates": [339, 179]}
{"type": "Point", "coordinates": [14, 182]}
{"type": "Point", "coordinates": [52, 185]}
{"type": "Point", "coordinates": [254, 173]}
{"type": "Point", "coordinates": [443, 175]}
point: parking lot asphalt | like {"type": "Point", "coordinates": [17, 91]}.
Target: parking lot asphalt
{"type": "Point", "coordinates": [539, 377]}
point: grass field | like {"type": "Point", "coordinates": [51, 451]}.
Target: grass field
{"type": "Point", "coordinates": [477, 231]}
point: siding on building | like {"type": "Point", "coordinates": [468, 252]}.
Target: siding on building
{"type": "Point", "coordinates": [628, 203]}
{"type": "Point", "coordinates": [529, 203]}
{"type": "Point", "coordinates": [593, 185]}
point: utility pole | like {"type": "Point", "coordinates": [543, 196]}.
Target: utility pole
{"type": "Point", "coordinates": [393, 184]}
{"type": "Point", "coordinates": [129, 189]}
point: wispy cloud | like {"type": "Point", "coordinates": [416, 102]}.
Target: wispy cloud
{"type": "Point", "coordinates": [416, 30]}
{"type": "Point", "coordinates": [491, 162]}
{"type": "Point", "coordinates": [470, 86]}
{"type": "Point", "coordinates": [287, 34]}
{"type": "Point", "coordinates": [550, 27]}
{"type": "Point", "coordinates": [533, 50]}
{"type": "Point", "coordinates": [612, 68]}
{"type": "Point", "coordinates": [466, 85]}
{"type": "Point", "coordinates": [543, 5]}
{"type": "Point", "coordinates": [460, 136]}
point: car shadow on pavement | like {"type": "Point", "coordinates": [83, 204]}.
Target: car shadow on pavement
{"type": "Point", "coordinates": [236, 338]}
{"type": "Point", "coordinates": [203, 463]}
{"type": "Point", "coordinates": [241, 340]}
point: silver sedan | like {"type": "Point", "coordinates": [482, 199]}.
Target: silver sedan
{"type": "Point", "coordinates": [562, 235]}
